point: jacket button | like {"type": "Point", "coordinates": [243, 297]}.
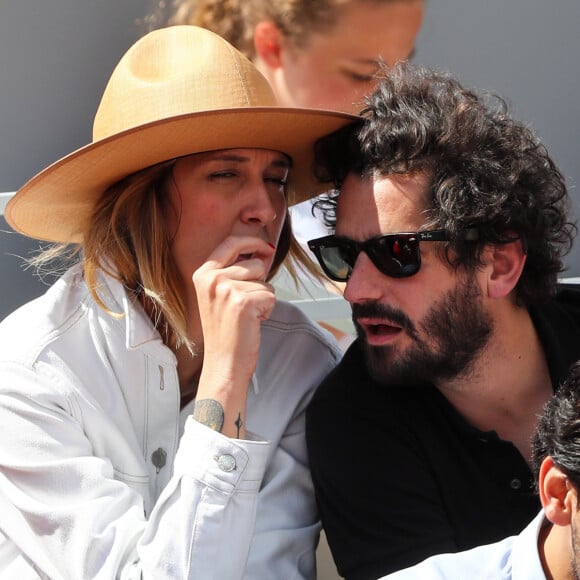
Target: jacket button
{"type": "Point", "coordinates": [226, 462]}
{"type": "Point", "coordinates": [515, 483]}
{"type": "Point", "coordinates": [159, 458]}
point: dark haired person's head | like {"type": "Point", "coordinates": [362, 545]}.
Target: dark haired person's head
{"type": "Point", "coordinates": [556, 465]}
{"type": "Point", "coordinates": [558, 432]}
{"type": "Point", "coordinates": [486, 172]}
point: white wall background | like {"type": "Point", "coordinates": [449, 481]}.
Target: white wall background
{"type": "Point", "coordinates": [56, 55]}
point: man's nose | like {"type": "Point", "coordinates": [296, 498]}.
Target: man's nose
{"type": "Point", "coordinates": [366, 282]}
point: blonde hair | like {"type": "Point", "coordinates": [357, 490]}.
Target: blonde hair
{"type": "Point", "coordinates": [127, 238]}
{"type": "Point", "coordinates": [235, 20]}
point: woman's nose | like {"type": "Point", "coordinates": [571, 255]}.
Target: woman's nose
{"type": "Point", "coordinates": [259, 207]}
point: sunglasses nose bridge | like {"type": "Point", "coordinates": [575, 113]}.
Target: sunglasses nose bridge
{"type": "Point", "coordinates": [354, 250]}
{"type": "Point", "coordinates": [375, 252]}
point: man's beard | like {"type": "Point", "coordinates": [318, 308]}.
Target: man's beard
{"type": "Point", "coordinates": [452, 334]}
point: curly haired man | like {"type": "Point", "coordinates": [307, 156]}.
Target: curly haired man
{"type": "Point", "coordinates": [451, 223]}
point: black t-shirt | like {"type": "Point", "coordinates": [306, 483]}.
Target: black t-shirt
{"type": "Point", "coordinates": [400, 475]}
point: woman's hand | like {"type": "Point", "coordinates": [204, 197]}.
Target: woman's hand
{"type": "Point", "coordinates": [233, 299]}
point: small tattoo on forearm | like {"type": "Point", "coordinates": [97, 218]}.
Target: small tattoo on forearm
{"type": "Point", "coordinates": [210, 413]}
{"type": "Point", "coordinates": [239, 424]}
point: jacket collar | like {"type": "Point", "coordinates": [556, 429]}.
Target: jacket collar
{"type": "Point", "coordinates": [139, 330]}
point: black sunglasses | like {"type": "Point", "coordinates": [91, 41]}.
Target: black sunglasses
{"type": "Point", "coordinates": [395, 255]}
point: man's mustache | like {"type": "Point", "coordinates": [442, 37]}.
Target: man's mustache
{"type": "Point", "coordinates": [372, 309]}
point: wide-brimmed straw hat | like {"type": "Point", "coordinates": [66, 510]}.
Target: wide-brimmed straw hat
{"type": "Point", "coordinates": [177, 91]}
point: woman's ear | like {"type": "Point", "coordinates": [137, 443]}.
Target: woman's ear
{"type": "Point", "coordinates": [268, 43]}
{"type": "Point", "coordinates": [557, 495]}
{"type": "Point", "coordinates": [505, 263]}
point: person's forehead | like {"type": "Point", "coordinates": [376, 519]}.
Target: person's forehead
{"type": "Point", "coordinates": [372, 29]}
{"type": "Point", "coordinates": [243, 155]}
{"type": "Point", "coordinates": [382, 203]}
{"type": "Point", "coordinates": [392, 190]}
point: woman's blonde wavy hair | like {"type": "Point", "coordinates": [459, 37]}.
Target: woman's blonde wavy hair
{"type": "Point", "coordinates": [127, 238]}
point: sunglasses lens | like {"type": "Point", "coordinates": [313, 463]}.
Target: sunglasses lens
{"type": "Point", "coordinates": [395, 255]}
{"type": "Point", "coordinates": [335, 261]}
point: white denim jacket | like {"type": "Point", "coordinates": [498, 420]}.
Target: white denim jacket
{"type": "Point", "coordinates": [102, 476]}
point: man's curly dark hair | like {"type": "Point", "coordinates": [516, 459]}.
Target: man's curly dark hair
{"type": "Point", "coordinates": [488, 171]}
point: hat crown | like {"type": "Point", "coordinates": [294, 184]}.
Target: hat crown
{"type": "Point", "coordinates": [178, 71]}
{"type": "Point", "coordinates": [177, 91]}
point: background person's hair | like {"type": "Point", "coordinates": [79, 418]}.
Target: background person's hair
{"type": "Point", "coordinates": [558, 431]}
{"type": "Point", "coordinates": [235, 20]}
{"type": "Point", "coordinates": [487, 169]}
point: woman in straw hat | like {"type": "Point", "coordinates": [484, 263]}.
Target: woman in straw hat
{"type": "Point", "coordinates": [152, 401]}
{"type": "Point", "coordinates": [322, 53]}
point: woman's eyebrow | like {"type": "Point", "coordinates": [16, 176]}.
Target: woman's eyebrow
{"type": "Point", "coordinates": [283, 161]}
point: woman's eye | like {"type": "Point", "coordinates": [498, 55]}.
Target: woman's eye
{"type": "Point", "coordinates": [359, 77]}
{"type": "Point", "coordinates": [281, 181]}
{"type": "Point", "coordinates": [225, 174]}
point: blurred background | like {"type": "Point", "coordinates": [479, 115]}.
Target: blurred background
{"type": "Point", "coordinates": [56, 56]}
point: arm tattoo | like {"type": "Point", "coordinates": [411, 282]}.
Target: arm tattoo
{"type": "Point", "coordinates": [239, 424]}
{"type": "Point", "coordinates": [210, 413]}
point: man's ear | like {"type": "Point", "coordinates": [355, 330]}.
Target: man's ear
{"type": "Point", "coordinates": [557, 495]}
{"type": "Point", "coordinates": [268, 43]}
{"type": "Point", "coordinates": [505, 263]}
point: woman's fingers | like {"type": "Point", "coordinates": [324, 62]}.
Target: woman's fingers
{"type": "Point", "coordinates": [254, 255]}
{"type": "Point", "coordinates": [233, 300]}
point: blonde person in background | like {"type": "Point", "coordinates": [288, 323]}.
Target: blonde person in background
{"type": "Point", "coordinates": [152, 401]}
{"type": "Point", "coordinates": [318, 54]}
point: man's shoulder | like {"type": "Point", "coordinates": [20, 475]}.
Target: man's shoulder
{"type": "Point", "coordinates": [561, 313]}
{"type": "Point", "coordinates": [568, 298]}
{"type": "Point", "coordinates": [557, 322]}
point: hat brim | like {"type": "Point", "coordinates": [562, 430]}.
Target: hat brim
{"type": "Point", "coordinates": [56, 204]}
